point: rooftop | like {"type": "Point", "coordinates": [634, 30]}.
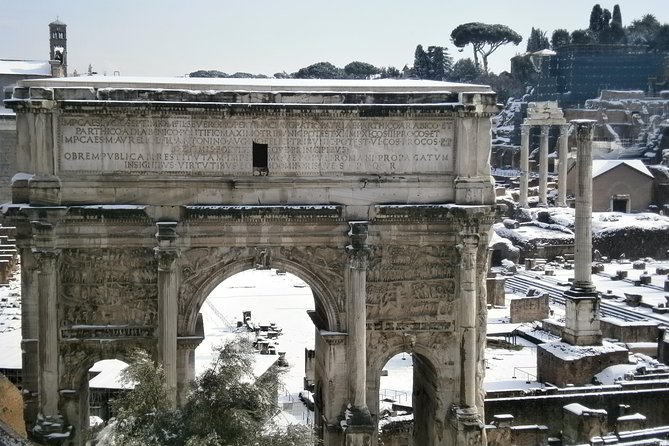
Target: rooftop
{"type": "Point", "coordinates": [260, 85]}
{"type": "Point", "coordinates": [25, 67]}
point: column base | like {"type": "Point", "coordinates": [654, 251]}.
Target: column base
{"type": "Point", "coordinates": [582, 316]}
{"type": "Point", "coordinates": [468, 425]}
{"type": "Point", "coordinates": [51, 430]}
{"type": "Point", "coordinates": [359, 428]}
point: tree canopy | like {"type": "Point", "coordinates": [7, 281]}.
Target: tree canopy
{"type": "Point", "coordinates": [484, 38]}
{"type": "Point", "coordinates": [360, 70]}
{"type": "Point", "coordinates": [242, 404]}
{"type": "Point", "coordinates": [433, 64]}
{"type": "Point", "coordinates": [320, 70]}
{"type": "Point", "coordinates": [537, 40]}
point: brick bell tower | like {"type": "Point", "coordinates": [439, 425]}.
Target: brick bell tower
{"type": "Point", "coordinates": [58, 48]}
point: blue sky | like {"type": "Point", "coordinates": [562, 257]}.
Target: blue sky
{"type": "Point", "coordinates": [172, 38]}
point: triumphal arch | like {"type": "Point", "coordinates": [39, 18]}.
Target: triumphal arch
{"type": "Point", "coordinates": [135, 198]}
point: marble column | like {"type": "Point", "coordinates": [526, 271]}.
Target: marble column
{"type": "Point", "coordinates": [30, 334]}
{"type": "Point", "coordinates": [543, 165]}
{"type": "Point", "coordinates": [467, 247]}
{"type": "Point", "coordinates": [524, 163]}
{"type": "Point", "coordinates": [582, 304]}
{"type": "Point", "coordinates": [168, 290]}
{"type": "Point", "coordinates": [583, 211]}
{"type": "Point", "coordinates": [46, 260]}
{"type": "Point", "coordinates": [357, 320]}
{"type": "Point", "coordinates": [360, 426]}
{"type": "Point", "coordinates": [562, 172]}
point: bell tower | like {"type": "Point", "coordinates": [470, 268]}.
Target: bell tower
{"type": "Point", "coordinates": [58, 48]}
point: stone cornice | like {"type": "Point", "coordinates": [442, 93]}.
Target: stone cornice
{"type": "Point", "coordinates": [261, 214]}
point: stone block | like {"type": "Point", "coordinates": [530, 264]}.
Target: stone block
{"type": "Point", "coordinates": [528, 309]}
{"type": "Point", "coordinates": [639, 264]}
{"type": "Point", "coordinates": [560, 363]}
{"type": "Point", "coordinates": [597, 268]}
{"type": "Point", "coordinates": [636, 331]}
{"type": "Point", "coordinates": [20, 191]}
{"type": "Point", "coordinates": [581, 423]}
{"type": "Point", "coordinates": [645, 279]}
{"type": "Point", "coordinates": [44, 191]}
{"type": "Point", "coordinates": [495, 291]}
{"type": "Point", "coordinates": [632, 299]}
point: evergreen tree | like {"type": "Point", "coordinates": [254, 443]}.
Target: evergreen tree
{"type": "Point", "coordinates": [360, 70]}
{"type": "Point", "coordinates": [320, 70]}
{"type": "Point", "coordinates": [617, 16]}
{"type": "Point", "coordinates": [240, 403]}
{"type": "Point", "coordinates": [390, 73]}
{"type": "Point", "coordinates": [581, 37]}
{"type": "Point", "coordinates": [596, 19]}
{"type": "Point", "coordinates": [421, 63]}
{"type": "Point", "coordinates": [559, 38]}
{"type": "Point", "coordinates": [465, 70]}
{"type": "Point", "coordinates": [439, 63]}
{"type": "Point", "coordinates": [537, 41]}
{"type": "Point", "coordinates": [484, 38]}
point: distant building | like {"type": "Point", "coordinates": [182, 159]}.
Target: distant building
{"type": "Point", "coordinates": [573, 73]}
{"type": "Point", "coordinates": [617, 185]}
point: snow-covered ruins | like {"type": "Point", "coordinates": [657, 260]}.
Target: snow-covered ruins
{"type": "Point", "coordinates": [444, 270]}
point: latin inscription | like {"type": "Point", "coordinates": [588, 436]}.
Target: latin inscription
{"type": "Point", "coordinates": [197, 145]}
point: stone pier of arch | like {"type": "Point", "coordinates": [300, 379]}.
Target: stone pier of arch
{"type": "Point", "coordinates": [134, 199]}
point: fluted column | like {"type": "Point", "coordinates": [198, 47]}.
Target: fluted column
{"type": "Point", "coordinates": [168, 288]}
{"type": "Point", "coordinates": [583, 211]}
{"type": "Point", "coordinates": [46, 260]}
{"type": "Point", "coordinates": [524, 163]}
{"type": "Point", "coordinates": [562, 173]}
{"type": "Point", "coordinates": [543, 165]}
{"type": "Point", "coordinates": [30, 333]}
{"type": "Point", "coordinates": [357, 312]}
{"type": "Point", "coordinates": [468, 247]}
{"type": "Point", "coordinates": [360, 427]}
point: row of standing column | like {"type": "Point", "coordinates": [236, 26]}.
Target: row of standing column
{"type": "Point", "coordinates": [543, 165]}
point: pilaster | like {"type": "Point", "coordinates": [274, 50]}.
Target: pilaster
{"type": "Point", "coordinates": [543, 166]}
{"type": "Point", "coordinates": [524, 164]}
{"type": "Point", "coordinates": [167, 254]}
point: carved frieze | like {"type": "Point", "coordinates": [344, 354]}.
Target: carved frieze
{"type": "Point", "coordinates": [414, 326]}
{"type": "Point", "coordinates": [108, 287]}
{"type": "Point", "coordinates": [411, 281]}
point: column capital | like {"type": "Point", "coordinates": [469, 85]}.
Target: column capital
{"type": "Point", "coordinates": [468, 240]}
{"type": "Point", "coordinates": [564, 129]}
{"type": "Point", "coordinates": [166, 258]}
{"type": "Point", "coordinates": [544, 130]}
{"type": "Point", "coordinates": [584, 129]}
{"type": "Point", "coordinates": [45, 258]}
{"type": "Point", "coordinates": [358, 252]}
{"type": "Point", "coordinates": [525, 129]}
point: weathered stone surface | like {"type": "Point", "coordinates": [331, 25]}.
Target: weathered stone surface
{"type": "Point", "coordinates": [377, 195]}
{"type": "Point", "coordinates": [560, 363]}
{"type": "Point", "coordinates": [529, 309]}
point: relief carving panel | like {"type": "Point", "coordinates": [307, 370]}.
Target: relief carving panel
{"type": "Point", "coordinates": [411, 282]}
{"type": "Point", "coordinates": [108, 287]}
